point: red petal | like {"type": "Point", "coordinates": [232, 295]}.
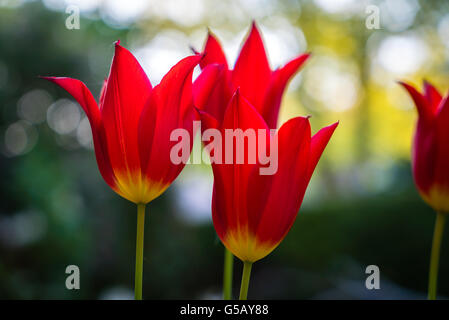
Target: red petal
{"type": "Point", "coordinates": [288, 184]}
{"type": "Point", "coordinates": [424, 150]}
{"type": "Point", "coordinates": [252, 72]}
{"type": "Point", "coordinates": [213, 53]}
{"type": "Point", "coordinates": [319, 142]}
{"type": "Point", "coordinates": [87, 102]}
{"type": "Point", "coordinates": [241, 114]}
{"type": "Point", "coordinates": [279, 81]}
{"type": "Point", "coordinates": [170, 107]}
{"type": "Point", "coordinates": [424, 154]}
{"type": "Point", "coordinates": [423, 107]}
{"type": "Point", "coordinates": [291, 68]}
{"type": "Point", "coordinates": [230, 198]}
{"type": "Point", "coordinates": [127, 91]}
{"type": "Point", "coordinates": [81, 94]}
{"type": "Point", "coordinates": [442, 136]}
{"type": "Point", "coordinates": [219, 97]}
{"type": "Point", "coordinates": [204, 87]}
{"type": "Point", "coordinates": [432, 95]}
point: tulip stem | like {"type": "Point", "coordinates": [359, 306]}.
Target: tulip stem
{"type": "Point", "coordinates": [245, 280]}
{"type": "Point", "coordinates": [227, 274]}
{"type": "Point", "coordinates": [139, 251]}
{"type": "Point", "coordinates": [435, 255]}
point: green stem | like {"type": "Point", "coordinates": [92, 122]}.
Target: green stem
{"type": "Point", "coordinates": [139, 251]}
{"type": "Point", "coordinates": [245, 280]}
{"type": "Point", "coordinates": [435, 255]}
{"type": "Point", "coordinates": [227, 274]}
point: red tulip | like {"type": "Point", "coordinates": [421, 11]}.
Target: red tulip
{"type": "Point", "coordinates": [252, 74]}
{"type": "Point", "coordinates": [251, 212]}
{"type": "Point", "coordinates": [430, 154]}
{"type": "Point", "coordinates": [131, 126]}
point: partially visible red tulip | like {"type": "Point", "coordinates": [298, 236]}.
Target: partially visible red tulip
{"type": "Point", "coordinates": [430, 153]}
{"type": "Point", "coordinates": [252, 74]}
{"type": "Point", "coordinates": [131, 126]}
{"type": "Point", "coordinates": [251, 212]}
{"type": "Point", "coordinates": [430, 162]}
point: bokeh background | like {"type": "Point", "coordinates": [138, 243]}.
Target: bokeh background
{"type": "Point", "coordinates": [361, 207]}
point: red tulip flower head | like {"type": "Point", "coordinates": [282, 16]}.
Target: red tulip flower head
{"type": "Point", "coordinates": [252, 212]}
{"type": "Point", "coordinates": [132, 123]}
{"type": "Point", "coordinates": [261, 86]}
{"type": "Point", "coordinates": [430, 153]}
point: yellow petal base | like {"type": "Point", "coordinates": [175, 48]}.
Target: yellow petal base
{"type": "Point", "coordinates": [437, 198]}
{"type": "Point", "coordinates": [137, 188]}
{"type": "Point", "coordinates": [246, 247]}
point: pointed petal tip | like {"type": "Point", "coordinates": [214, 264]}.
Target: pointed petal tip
{"type": "Point", "coordinates": [329, 129]}
{"type": "Point", "coordinates": [211, 35]}
{"type": "Point", "coordinates": [50, 78]}
{"type": "Point", "coordinates": [118, 47]}
{"type": "Point", "coordinates": [235, 96]}
{"type": "Point", "coordinates": [299, 118]}
{"type": "Point", "coordinates": [305, 56]}
{"type": "Point", "coordinates": [300, 60]}
{"type": "Point", "coordinates": [209, 32]}
{"type": "Point", "coordinates": [254, 28]}
{"type": "Point", "coordinates": [213, 50]}
{"type": "Point", "coordinates": [306, 118]}
{"type": "Point", "coordinates": [406, 85]}
{"type": "Point", "coordinates": [333, 125]}
{"type": "Point", "coordinates": [294, 122]}
{"type": "Point", "coordinates": [427, 85]}
{"type": "Point", "coordinates": [254, 24]}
